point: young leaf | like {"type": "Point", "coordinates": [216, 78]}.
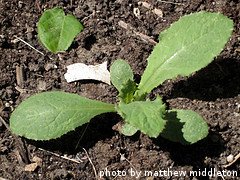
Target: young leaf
{"type": "Point", "coordinates": [147, 116]}
{"type": "Point", "coordinates": [122, 78]}
{"type": "Point", "coordinates": [120, 73]}
{"type": "Point", "coordinates": [56, 30]}
{"type": "Point", "coordinates": [184, 126]}
{"type": "Point", "coordinates": [188, 45]}
{"type": "Point", "coordinates": [49, 115]}
{"type": "Point", "coordinates": [128, 130]}
{"type": "Point", "coordinates": [126, 95]}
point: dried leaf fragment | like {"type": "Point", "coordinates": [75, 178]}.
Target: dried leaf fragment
{"type": "Point", "coordinates": [158, 12]}
{"type": "Point", "coordinates": [80, 71]}
{"type": "Point", "coordinates": [31, 167]}
{"type": "Point", "coordinates": [37, 162]}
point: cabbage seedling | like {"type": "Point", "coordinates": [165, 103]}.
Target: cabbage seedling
{"type": "Point", "coordinates": [186, 46]}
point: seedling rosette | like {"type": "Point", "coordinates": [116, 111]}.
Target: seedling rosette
{"type": "Point", "coordinates": [187, 46]}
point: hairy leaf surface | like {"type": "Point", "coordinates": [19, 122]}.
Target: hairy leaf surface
{"type": "Point", "coordinates": [147, 116]}
{"type": "Point", "coordinates": [49, 115]}
{"type": "Point", "coordinates": [56, 30]}
{"type": "Point", "coordinates": [120, 73]}
{"type": "Point", "coordinates": [128, 130]}
{"type": "Point", "coordinates": [126, 95]}
{"type": "Point", "coordinates": [188, 45]}
{"type": "Point", "coordinates": [122, 78]}
{"type": "Point", "coordinates": [184, 126]}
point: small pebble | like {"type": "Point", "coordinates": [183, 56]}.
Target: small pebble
{"type": "Point", "coordinates": [122, 158]}
{"type": "Point", "coordinates": [7, 104]}
{"type": "Point", "coordinates": [158, 12]}
{"type": "Point", "coordinates": [230, 158]}
{"type": "Point", "coordinates": [42, 85]}
{"type": "Point", "coordinates": [20, 4]}
{"type": "Point", "coordinates": [50, 66]}
{"type": "Point", "coordinates": [136, 12]}
{"type": "Point", "coordinates": [238, 107]}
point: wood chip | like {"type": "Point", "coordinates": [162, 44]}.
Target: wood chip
{"type": "Point", "coordinates": [141, 35]}
{"type": "Point", "coordinates": [50, 66]}
{"type": "Point", "coordinates": [19, 157]}
{"type": "Point", "coordinates": [20, 75]}
{"type": "Point", "coordinates": [31, 167]}
{"type": "Point", "coordinates": [38, 160]}
{"type": "Point", "coordinates": [136, 12]}
{"type": "Point", "coordinates": [1, 106]}
{"type": "Point", "coordinates": [123, 24]}
{"type": "Point", "coordinates": [3, 178]}
{"type": "Point", "coordinates": [158, 12]}
{"type": "Point", "coordinates": [146, 5]}
{"type": "Point", "coordinates": [41, 85]}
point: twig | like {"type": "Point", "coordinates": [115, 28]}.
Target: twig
{"type": "Point", "coordinates": [21, 146]}
{"type": "Point", "coordinates": [82, 134]}
{"type": "Point", "coordinates": [123, 158]}
{"type": "Point", "coordinates": [29, 45]}
{"type": "Point", "coordinates": [156, 11]}
{"type": "Point", "coordinates": [169, 2]}
{"type": "Point", "coordinates": [20, 75]}
{"type": "Point", "coordinates": [5, 124]}
{"type": "Point", "coordinates": [21, 90]}
{"type": "Point", "coordinates": [94, 169]}
{"type": "Point", "coordinates": [1, 106]}
{"type": "Point", "coordinates": [235, 160]}
{"type": "Point", "coordinates": [222, 176]}
{"type": "Point", "coordinates": [63, 157]}
{"type": "Point", "coordinates": [143, 36]}
{"type": "Point", "coordinates": [37, 4]}
{"type": "Point", "coordinates": [3, 178]}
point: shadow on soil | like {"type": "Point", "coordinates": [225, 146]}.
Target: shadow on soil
{"type": "Point", "coordinates": [221, 79]}
{"type": "Point", "coordinates": [88, 135]}
{"type": "Point", "coordinates": [193, 154]}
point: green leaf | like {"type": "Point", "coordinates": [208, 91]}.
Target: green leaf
{"type": "Point", "coordinates": [128, 130]}
{"type": "Point", "coordinates": [56, 30]}
{"type": "Point", "coordinates": [122, 78]}
{"type": "Point", "coordinates": [188, 45]}
{"type": "Point", "coordinates": [120, 73]}
{"type": "Point", "coordinates": [147, 116]}
{"type": "Point", "coordinates": [49, 115]}
{"type": "Point", "coordinates": [184, 126]}
{"type": "Point", "coordinates": [126, 95]}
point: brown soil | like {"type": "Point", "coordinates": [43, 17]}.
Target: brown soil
{"type": "Point", "coordinates": [213, 92]}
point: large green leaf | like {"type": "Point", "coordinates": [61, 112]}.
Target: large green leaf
{"type": "Point", "coordinates": [147, 116]}
{"type": "Point", "coordinates": [49, 115]}
{"type": "Point", "coordinates": [56, 30]}
{"type": "Point", "coordinates": [188, 45]}
{"type": "Point", "coordinates": [184, 126]}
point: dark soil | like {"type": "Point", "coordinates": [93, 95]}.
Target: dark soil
{"type": "Point", "coordinates": [213, 92]}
